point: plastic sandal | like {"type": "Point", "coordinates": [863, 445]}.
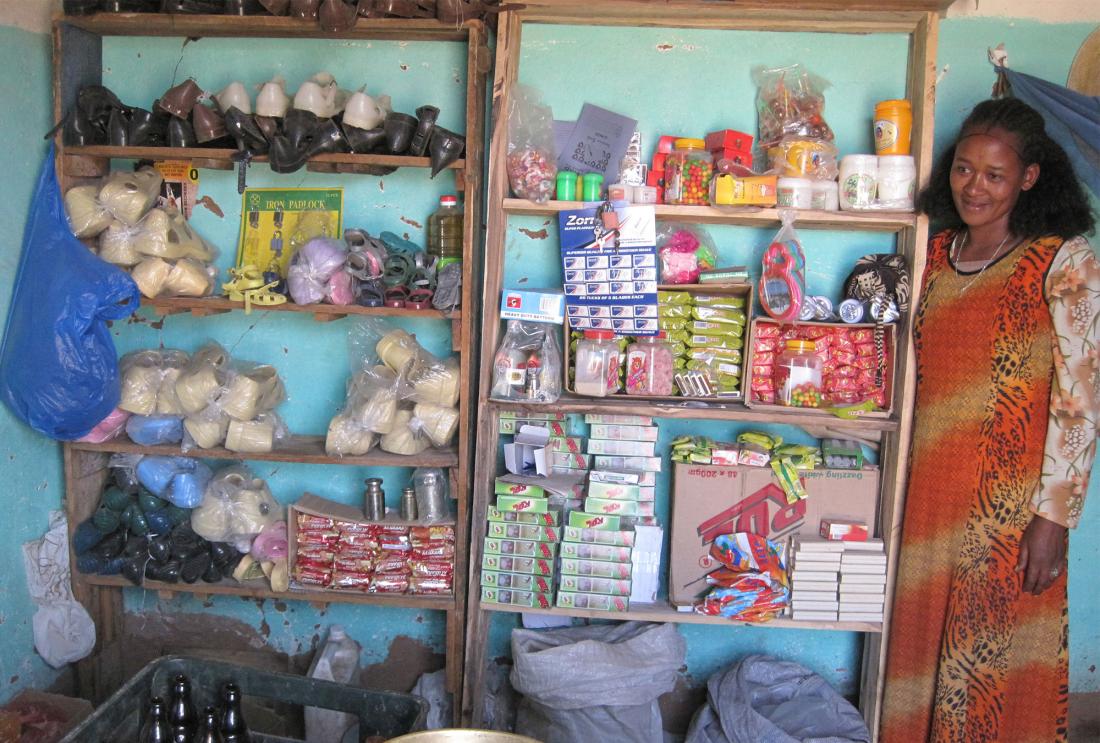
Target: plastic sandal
{"type": "Point", "coordinates": [243, 279]}
{"type": "Point", "coordinates": [263, 296]}
{"type": "Point", "coordinates": [419, 299]}
{"type": "Point", "coordinates": [399, 267]}
{"type": "Point", "coordinates": [370, 293]}
{"type": "Point", "coordinates": [396, 297]}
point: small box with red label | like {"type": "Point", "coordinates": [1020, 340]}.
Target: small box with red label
{"type": "Point", "coordinates": [729, 139]}
{"type": "Point", "coordinates": [843, 531]}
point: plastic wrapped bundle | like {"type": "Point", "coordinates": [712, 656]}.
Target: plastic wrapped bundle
{"type": "Point", "coordinates": [154, 430]}
{"type": "Point", "coordinates": [109, 428]}
{"type": "Point", "coordinates": [201, 381]}
{"type": "Point", "coordinates": [438, 423]}
{"type": "Point", "coordinates": [129, 196]}
{"type": "Point", "coordinates": [404, 438]}
{"type": "Point", "coordinates": [87, 216]}
{"type": "Point", "coordinates": [257, 436]}
{"type": "Point", "coordinates": [434, 381]}
{"type": "Point", "coordinates": [251, 390]}
{"type": "Point", "coordinates": [370, 409]}
{"type": "Point", "coordinates": [752, 585]}
{"type": "Point", "coordinates": [312, 267]}
{"type": "Point", "coordinates": [206, 429]}
{"type": "Point", "coordinates": [346, 437]}
{"type": "Point", "coordinates": [397, 348]}
{"type": "Point", "coordinates": [180, 480]}
{"type": "Point", "coordinates": [236, 507]}
{"type": "Point", "coordinates": [117, 244]}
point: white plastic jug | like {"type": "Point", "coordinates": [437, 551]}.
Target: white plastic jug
{"type": "Point", "coordinates": [337, 661]}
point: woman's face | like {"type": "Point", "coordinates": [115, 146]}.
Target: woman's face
{"type": "Point", "coordinates": [987, 177]}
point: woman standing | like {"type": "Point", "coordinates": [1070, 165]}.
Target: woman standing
{"type": "Point", "coordinates": [1008, 381]}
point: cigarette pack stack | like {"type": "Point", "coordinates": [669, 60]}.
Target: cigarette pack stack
{"type": "Point", "coordinates": [624, 472]}
{"type": "Point", "coordinates": [521, 543]}
{"type": "Point", "coordinates": [862, 581]}
{"type": "Point", "coordinates": [815, 568]}
{"type": "Point", "coordinates": [595, 565]}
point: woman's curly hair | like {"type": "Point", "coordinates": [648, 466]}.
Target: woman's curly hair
{"type": "Point", "coordinates": [1056, 205]}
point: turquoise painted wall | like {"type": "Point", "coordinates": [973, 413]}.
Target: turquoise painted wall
{"type": "Point", "coordinates": [30, 465]}
{"type": "Point", "coordinates": [704, 83]}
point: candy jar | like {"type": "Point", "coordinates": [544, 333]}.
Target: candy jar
{"type": "Point", "coordinates": [649, 366]}
{"type": "Point", "coordinates": [597, 367]}
{"type": "Point", "coordinates": [687, 173]}
{"type": "Point", "coordinates": [798, 375]}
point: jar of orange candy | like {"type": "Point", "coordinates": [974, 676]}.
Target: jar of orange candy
{"type": "Point", "coordinates": [687, 173]}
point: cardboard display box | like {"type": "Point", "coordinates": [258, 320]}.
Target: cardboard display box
{"type": "Point", "coordinates": [710, 500]}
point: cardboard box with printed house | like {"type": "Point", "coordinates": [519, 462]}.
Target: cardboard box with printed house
{"type": "Point", "coordinates": [710, 500]}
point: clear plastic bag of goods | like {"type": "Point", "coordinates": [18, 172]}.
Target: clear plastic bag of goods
{"type": "Point", "coordinates": [236, 507]}
{"type": "Point", "coordinates": [130, 196]}
{"type": "Point", "coordinates": [251, 389]}
{"type": "Point", "coordinates": [438, 422]}
{"type": "Point", "coordinates": [528, 363]}
{"type": "Point", "coordinates": [370, 409]}
{"type": "Point", "coordinates": [202, 380]}
{"type": "Point", "coordinates": [433, 488]}
{"type": "Point", "coordinates": [258, 436]}
{"type": "Point", "coordinates": [767, 699]}
{"type": "Point", "coordinates": [790, 101]}
{"type": "Point", "coordinates": [404, 437]}
{"type": "Point", "coordinates": [180, 480]}
{"type": "Point", "coordinates": [147, 381]}
{"type": "Point", "coordinates": [573, 681]}
{"type": "Point", "coordinates": [684, 250]}
{"type": "Point", "coordinates": [87, 217]}
{"type": "Point", "coordinates": [337, 660]}
{"type": "Point", "coordinates": [804, 157]}
{"type": "Point", "coordinates": [532, 161]}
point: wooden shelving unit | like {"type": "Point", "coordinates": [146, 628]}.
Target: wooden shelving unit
{"type": "Point", "coordinates": [918, 20]}
{"type": "Point", "coordinates": [78, 61]}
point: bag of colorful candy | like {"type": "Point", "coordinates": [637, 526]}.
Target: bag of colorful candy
{"type": "Point", "coordinates": [790, 101]}
{"type": "Point", "coordinates": [752, 584]}
{"type": "Point", "coordinates": [532, 167]}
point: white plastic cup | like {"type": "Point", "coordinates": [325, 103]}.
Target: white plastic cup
{"type": "Point", "coordinates": [858, 181]}
{"type": "Point", "coordinates": [795, 193]}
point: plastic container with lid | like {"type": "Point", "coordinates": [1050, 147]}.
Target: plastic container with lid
{"type": "Point", "coordinates": [337, 661]}
{"type": "Point", "coordinates": [893, 127]}
{"type": "Point", "coordinates": [649, 366]}
{"type": "Point", "coordinates": [825, 196]}
{"type": "Point", "coordinates": [798, 375]}
{"type": "Point", "coordinates": [796, 193]}
{"type": "Point", "coordinates": [687, 173]}
{"type": "Point", "coordinates": [897, 182]}
{"type": "Point", "coordinates": [597, 365]}
{"type": "Point", "coordinates": [445, 232]}
{"type": "Point", "coordinates": [858, 181]}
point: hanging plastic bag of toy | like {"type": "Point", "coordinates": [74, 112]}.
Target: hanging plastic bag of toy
{"type": "Point", "coordinates": [790, 102]}
{"type": "Point", "coordinates": [783, 272]}
{"type": "Point", "coordinates": [684, 251]}
{"type": "Point", "coordinates": [751, 585]}
{"type": "Point", "coordinates": [532, 167]}
{"type": "Point", "coordinates": [58, 364]}
{"type": "Point", "coordinates": [527, 365]}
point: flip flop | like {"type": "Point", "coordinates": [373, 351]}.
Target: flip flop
{"type": "Point", "coordinates": [396, 297]}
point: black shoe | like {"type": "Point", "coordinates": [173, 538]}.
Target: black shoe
{"type": "Point", "coordinates": [130, 6]}
{"type": "Point", "coordinates": [327, 137]}
{"type": "Point", "coordinates": [426, 116]}
{"type": "Point", "coordinates": [180, 133]}
{"type": "Point", "coordinates": [242, 128]}
{"type": "Point", "coordinates": [160, 549]}
{"type": "Point", "coordinates": [193, 567]}
{"type": "Point", "coordinates": [399, 130]}
{"type": "Point", "coordinates": [444, 148]}
{"type": "Point", "coordinates": [168, 572]}
{"type": "Point", "coordinates": [365, 141]}
{"type": "Point", "coordinates": [243, 7]}
{"type": "Point", "coordinates": [284, 157]}
{"type": "Point", "coordinates": [300, 127]}
{"type": "Point", "coordinates": [80, 7]}
{"type": "Point", "coordinates": [148, 129]}
{"type": "Point", "coordinates": [275, 7]}
{"type": "Point", "coordinates": [193, 7]}
{"type": "Point", "coordinates": [336, 16]}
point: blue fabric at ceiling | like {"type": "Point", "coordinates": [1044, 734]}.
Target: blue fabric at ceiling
{"type": "Point", "coordinates": [1072, 120]}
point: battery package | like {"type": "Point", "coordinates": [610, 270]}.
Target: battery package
{"type": "Point", "coordinates": [598, 536]}
{"type": "Point", "coordinates": [520, 503]}
{"type": "Point", "coordinates": [613, 491]}
{"type": "Point", "coordinates": [606, 552]}
{"type": "Point", "coordinates": [624, 477]}
{"type": "Point", "coordinates": [598, 601]}
{"type": "Point", "coordinates": [504, 530]}
{"type": "Point", "coordinates": [511, 564]}
{"type": "Point", "coordinates": [619, 420]}
{"type": "Point", "coordinates": [596, 568]}
{"type": "Point", "coordinates": [549, 518]}
{"type": "Point", "coordinates": [511, 597]}
{"type": "Point", "coordinates": [588, 584]}
{"type": "Point", "coordinates": [648, 464]}
{"type": "Point", "coordinates": [518, 581]}
{"type": "Point", "coordinates": [622, 448]}
{"type": "Point", "coordinates": [521, 548]}
{"type": "Point", "coordinates": [603, 521]}
{"type": "Point", "coordinates": [623, 433]}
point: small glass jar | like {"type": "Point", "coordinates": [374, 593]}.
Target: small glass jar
{"type": "Point", "coordinates": [649, 366]}
{"type": "Point", "coordinates": [597, 367]}
{"type": "Point", "coordinates": [798, 375]}
{"type": "Point", "coordinates": [687, 173]}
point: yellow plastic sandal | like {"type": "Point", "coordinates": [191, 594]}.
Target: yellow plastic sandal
{"type": "Point", "coordinates": [263, 297]}
{"type": "Point", "coordinates": [243, 279]}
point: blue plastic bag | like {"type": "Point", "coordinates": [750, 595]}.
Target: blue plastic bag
{"type": "Point", "coordinates": [58, 364]}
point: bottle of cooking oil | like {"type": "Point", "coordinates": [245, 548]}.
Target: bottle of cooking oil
{"type": "Point", "coordinates": [445, 232]}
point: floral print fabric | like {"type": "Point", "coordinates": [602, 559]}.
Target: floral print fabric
{"type": "Point", "coordinates": [1073, 293]}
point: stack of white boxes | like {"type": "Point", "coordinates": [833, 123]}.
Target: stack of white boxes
{"type": "Point", "coordinates": [862, 581]}
{"type": "Point", "coordinates": [815, 567]}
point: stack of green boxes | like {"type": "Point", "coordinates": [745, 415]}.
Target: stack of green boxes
{"type": "Point", "coordinates": [520, 548]}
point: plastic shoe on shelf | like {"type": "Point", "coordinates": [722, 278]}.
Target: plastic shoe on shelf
{"type": "Point", "coordinates": [262, 297]}
{"type": "Point", "coordinates": [243, 279]}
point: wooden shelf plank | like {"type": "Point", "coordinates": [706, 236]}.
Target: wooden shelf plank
{"type": "Point", "coordinates": [662, 612]}
{"type": "Point", "coordinates": [260, 590]}
{"type": "Point", "coordinates": [747, 217]}
{"type": "Point", "coordinates": [729, 411]}
{"type": "Point", "coordinates": [302, 449]}
{"type": "Point", "coordinates": [213, 305]}
{"type": "Point", "coordinates": [263, 26]}
{"type": "Point", "coordinates": [223, 157]}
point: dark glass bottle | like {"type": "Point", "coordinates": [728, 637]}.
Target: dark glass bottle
{"type": "Point", "coordinates": [234, 729]}
{"type": "Point", "coordinates": [208, 727]}
{"type": "Point", "coordinates": [181, 714]}
{"type": "Point", "coordinates": [155, 729]}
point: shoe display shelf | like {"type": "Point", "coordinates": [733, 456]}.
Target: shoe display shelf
{"type": "Point", "coordinates": [78, 61]}
{"type": "Point", "coordinates": [917, 20]}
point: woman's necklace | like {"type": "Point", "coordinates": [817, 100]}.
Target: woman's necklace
{"type": "Point", "coordinates": [957, 247]}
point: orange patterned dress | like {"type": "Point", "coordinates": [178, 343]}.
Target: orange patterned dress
{"type": "Point", "coordinates": [971, 658]}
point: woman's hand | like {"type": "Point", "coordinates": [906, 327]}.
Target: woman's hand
{"type": "Point", "coordinates": [1042, 554]}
